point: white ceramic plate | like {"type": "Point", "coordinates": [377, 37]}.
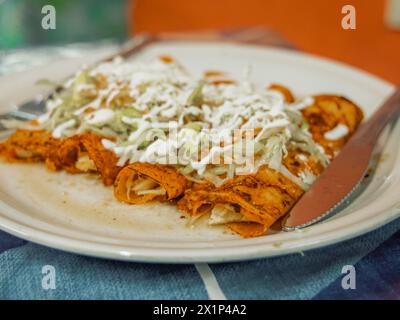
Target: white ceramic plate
{"type": "Point", "coordinates": [76, 213]}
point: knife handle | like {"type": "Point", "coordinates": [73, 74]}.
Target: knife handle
{"type": "Point", "coordinates": [378, 121]}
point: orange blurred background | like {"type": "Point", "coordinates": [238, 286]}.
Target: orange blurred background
{"type": "Point", "coordinates": [310, 25]}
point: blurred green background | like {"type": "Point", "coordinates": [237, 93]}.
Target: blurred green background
{"type": "Point", "coordinates": [76, 21]}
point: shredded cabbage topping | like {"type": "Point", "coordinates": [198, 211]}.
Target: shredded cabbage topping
{"type": "Point", "coordinates": [157, 113]}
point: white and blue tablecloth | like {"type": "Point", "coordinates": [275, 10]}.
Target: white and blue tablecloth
{"type": "Point", "coordinates": [315, 274]}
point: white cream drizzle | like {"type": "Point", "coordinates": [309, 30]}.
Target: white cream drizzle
{"type": "Point", "coordinates": [337, 133]}
{"type": "Point", "coordinates": [59, 130]}
{"type": "Point", "coordinates": [101, 116]}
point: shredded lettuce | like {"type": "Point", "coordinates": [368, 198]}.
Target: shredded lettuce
{"type": "Point", "coordinates": [196, 97]}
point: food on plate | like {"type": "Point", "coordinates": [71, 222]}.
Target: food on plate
{"type": "Point", "coordinates": [80, 153]}
{"type": "Point", "coordinates": [143, 182]}
{"type": "Point", "coordinates": [252, 200]}
{"type": "Point", "coordinates": [332, 120]}
{"type": "Point", "coordinates": [287, 94]}
{"type": "Point", "coordinates": [85, 153]}
{"type": "Point", "coordinates": [213, 146]}
{"type": "Point", "coordinates": [29, 146]}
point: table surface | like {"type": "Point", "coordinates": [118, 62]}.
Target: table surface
{"type": "Point", "coordinates": [313, 26]}
{"type": "Point", "coordinates": [316, 274]}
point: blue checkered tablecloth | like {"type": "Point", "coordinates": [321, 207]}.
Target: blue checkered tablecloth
{"type": "Point", "coordinates": [316, 274]}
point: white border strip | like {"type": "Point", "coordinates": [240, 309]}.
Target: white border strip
{"type": "Point", "coordinates": [213, 289]}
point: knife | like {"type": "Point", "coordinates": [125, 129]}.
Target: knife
{"type": "Point", "coordinates": [337, 183]}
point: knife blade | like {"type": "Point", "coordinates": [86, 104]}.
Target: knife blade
{"type": "Point", "coordinates": [346, 171]}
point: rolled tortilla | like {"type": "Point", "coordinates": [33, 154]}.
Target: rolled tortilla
{"type": "Point", "coordinates": [140, 183]}
{"type": "Point", "coordinates": [271, 177]}
{"type": "Point", "coordinates": [256, 199]}
{"type": "Point", "coordinates": [247, 229]}
{"type": "Point", "coordinates": [83, 154]}
{"type": "Point", "coordinates": [298, 161]}
{"type": "Point", "coordinates": [286, 93]}
{"type": "Point", "coordinates": [66, 155]}
{"type": "Point", "coordinates": [77, 154]}
{"type": "Point", "coordinates": [251, 204]}
{"type": "Point", "coordinates": [28, 146]}
{"type": "Point", "coordinates": [326, 114]}
{"type": "Point", "coordinates": [104, 160]}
